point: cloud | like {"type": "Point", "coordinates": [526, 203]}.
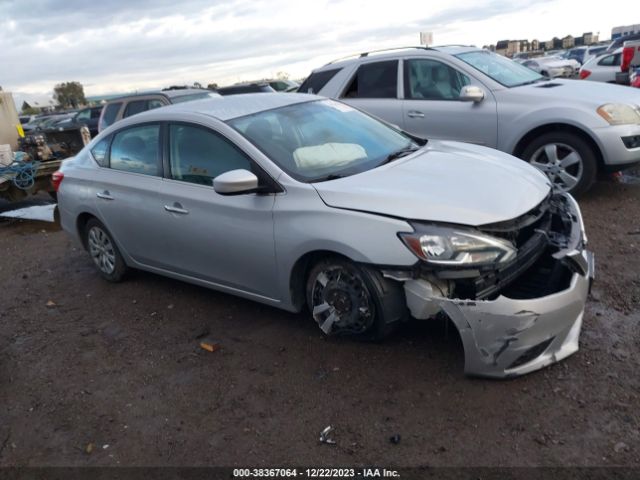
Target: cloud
{"type": "Point", "coordinates": [120, 45]}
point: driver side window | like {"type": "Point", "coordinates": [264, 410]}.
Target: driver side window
{"type": "Point", "coordinates": [432, 80]}
{"type": "Point", "coordinates": [198, 155]}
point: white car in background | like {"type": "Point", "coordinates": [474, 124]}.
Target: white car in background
{"type": "Point", "coordinates": [602, 68]}
{"type": "Point", "coordinates": [551, 67]}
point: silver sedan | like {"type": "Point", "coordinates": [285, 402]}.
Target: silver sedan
{"type": "Point", "coordinates": [302, 202]}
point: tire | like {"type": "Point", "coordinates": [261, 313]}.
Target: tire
{"type": "Point", "coordinates": [348, 299]}
{"type": "Point", "coordinates": [572, 168]}
{"type": "Point", "coordinates": [104, 251]}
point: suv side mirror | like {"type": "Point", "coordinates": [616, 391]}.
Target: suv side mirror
{"type": "Point", "coordinates": [235, 182]}
{"type": "Point", "coordinates": [471, 93]}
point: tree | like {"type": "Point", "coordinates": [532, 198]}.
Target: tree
{"type": "Point", "coordinates": [282, 76]}
{"type": "Point", "coordinates": [69, 94]}
{"type": "Point", "coordinates": [212, 86]}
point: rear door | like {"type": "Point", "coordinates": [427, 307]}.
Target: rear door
{"type": "Point", "coordinates": [126, 191]}
{"type": "Point", "coordinates": [374, 88]}
{"type": "Point", "coordinates": [431, 107]}
{"type": "Point", "coordinates": [227, 240]}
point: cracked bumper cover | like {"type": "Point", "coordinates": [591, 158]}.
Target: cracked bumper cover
{"type": "Point", "coordinates": [507, 337]}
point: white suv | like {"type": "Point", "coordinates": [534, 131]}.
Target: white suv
{"type": "Point", "coordinates": [568, 129]}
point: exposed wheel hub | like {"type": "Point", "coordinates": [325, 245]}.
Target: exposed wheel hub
{"type": "Point", "coordinates": [341, 302]}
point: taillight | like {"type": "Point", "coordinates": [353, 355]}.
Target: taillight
{"type": "Point", "coordinates": [584, 74]}
{"type": "Point", "coordinates": [627, 55]}
{"type": "Point", "coordinates": [56, 179]}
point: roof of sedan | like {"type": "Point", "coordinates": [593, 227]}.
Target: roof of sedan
{"type": "Point", "coordinates": [234, 106]}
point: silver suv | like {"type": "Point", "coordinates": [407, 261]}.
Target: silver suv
{"type": "Point", "coordinates": [568, 129]}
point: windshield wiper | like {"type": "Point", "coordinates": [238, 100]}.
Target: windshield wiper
{"type": "Point", "coordinates": [403, 152]}
{"type": "Point", "coordinates": [326, 178]}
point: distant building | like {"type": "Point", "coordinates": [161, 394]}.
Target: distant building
{"type": "Point", "coordinates": [43, 103]}
{"type": "Point", "coordinates": [568, 42]}
{"type": "Point", "coordinates": [501, 47]}
{"type": "Point", "coordinates": [535, 45]}
{"type": "Point", "coordinates": [618, 32]}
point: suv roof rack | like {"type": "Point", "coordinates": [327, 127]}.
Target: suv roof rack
{"type": "Point", "coordinates": [383, 50]}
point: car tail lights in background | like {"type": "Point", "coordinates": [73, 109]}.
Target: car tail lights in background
{"type": "Point", "coordinates": [584, 74]}
{"type": "Point", "coordinates": [627, 56]}
{"type": "Point", "coordinates": [56, 179]}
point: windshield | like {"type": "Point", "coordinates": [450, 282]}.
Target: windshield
{"type": "Point", "coordinates": [501, 69]}
{"type": "Point", "coordinates": [322, 140]}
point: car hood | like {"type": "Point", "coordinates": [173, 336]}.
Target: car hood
{"type": "Point", "coordinates": [445, 181]}
{"type": "Point", "coordinates": [580, 91]}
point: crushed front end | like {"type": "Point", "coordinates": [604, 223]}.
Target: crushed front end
{"type": "Point", "coordinates": [523, 310]}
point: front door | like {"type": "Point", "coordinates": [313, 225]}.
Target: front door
{"type": "Point", "coordinates": [431, 107]}
{"type": "Point", "coordinates": [227, 240]}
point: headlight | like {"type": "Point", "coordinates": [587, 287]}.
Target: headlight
{"type": "Point", "coordinates": [619, 113]}
{"type": "Point", "coordinates": [453, 246]}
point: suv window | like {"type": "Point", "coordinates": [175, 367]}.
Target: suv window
{"type": "Point", "coordinates": [374, 80]}
{"type": "Point", "coordinates": [136, 150]}
{"type": "Point", "coordinates": [110, 114]}
{"type": "Point", "coordinates": [95, 112]}
{"type": "Point", "coordinates": [316, 81]}
{"type": "Point", "coordinates": [136, 106]}
{"type": "Point", "coordinates": [611, 60]}
{"type": "Point", "coordinates": [198, 155]}
{"type": "Point", "coordinates": [432, 80]}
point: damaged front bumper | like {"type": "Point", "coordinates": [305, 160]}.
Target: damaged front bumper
{"type": "Point", "coordinates": [506, 337]}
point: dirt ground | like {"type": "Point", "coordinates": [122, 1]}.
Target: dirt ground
{"type": "Point", "coordinates": [118, 367]}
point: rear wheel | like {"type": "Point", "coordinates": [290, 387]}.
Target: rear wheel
{"type": "Point", "coordinates": [565, 158]}
{"type": "Point", "coordinates": [104, 252]}
{"type": "Point", "coordinates": [347, 299]}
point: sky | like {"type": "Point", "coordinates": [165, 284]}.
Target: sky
{"type": "Point", "coordinates": [117, 46]}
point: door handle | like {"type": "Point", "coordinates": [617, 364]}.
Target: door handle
{"type": "Point", "coordinates": [176, 208]}
{"type": "Point", "coordinates": [104, 195]}
{"type": "Point", "coordinates": [415, 114]}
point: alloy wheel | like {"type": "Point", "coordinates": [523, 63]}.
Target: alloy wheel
{"type": "Point", "coordinates": [101, 250]}
{"type": "Point", "coordinates": [561, 163]}
{"type": "Point", "coordinates": [341, 303]}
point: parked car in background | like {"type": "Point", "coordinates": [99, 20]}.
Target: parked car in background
{"type": "Point", "coordinates": [594, 51]}
{"type": "Point", "coordinates": [90, 117]}
{"type": "Point", "coordinates": [375, 223]}
{"type": "Point", "coordinates": [630, 61]}
{"type": "Point", "coordinates": [619, 42]}
{"type": "Point", "coordinates": [25, 119]}
{"type": "Point", "coordinates": [551, 67]}
{"type": "Point", "coordinates": [635, 78]}
{"type": "Point", "coordinates": [603, 68]}
{"type": "Point", "coordinates": [577, 54]}
{"type": "Point", "coordinates": [257, 87]}
{"type": "Point", "coordinates": [568, 129]}
{"type": "Point", "coordinates": [122, 107]}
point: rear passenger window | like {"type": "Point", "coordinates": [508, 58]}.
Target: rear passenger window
{"type": "Point", "coordinates": [198, 155]}
{"type": "Point", "coordinates": [99, 152]}
{"type": "Point", "coordinates": [611, 60]}
{"type": "Point", "coordinates": [136, 106]}
{"type": "Point", "coordinates": [137, 150]}
{"type": "Point", "coordinates": [374, 80]}
{"type": "Point", "coordinates": [316, 81]}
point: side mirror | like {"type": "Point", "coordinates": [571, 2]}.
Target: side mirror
{"type": "Point", "coordinates": [235, 182]}
{"type": "Point", "coordinates": [471, 93]}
